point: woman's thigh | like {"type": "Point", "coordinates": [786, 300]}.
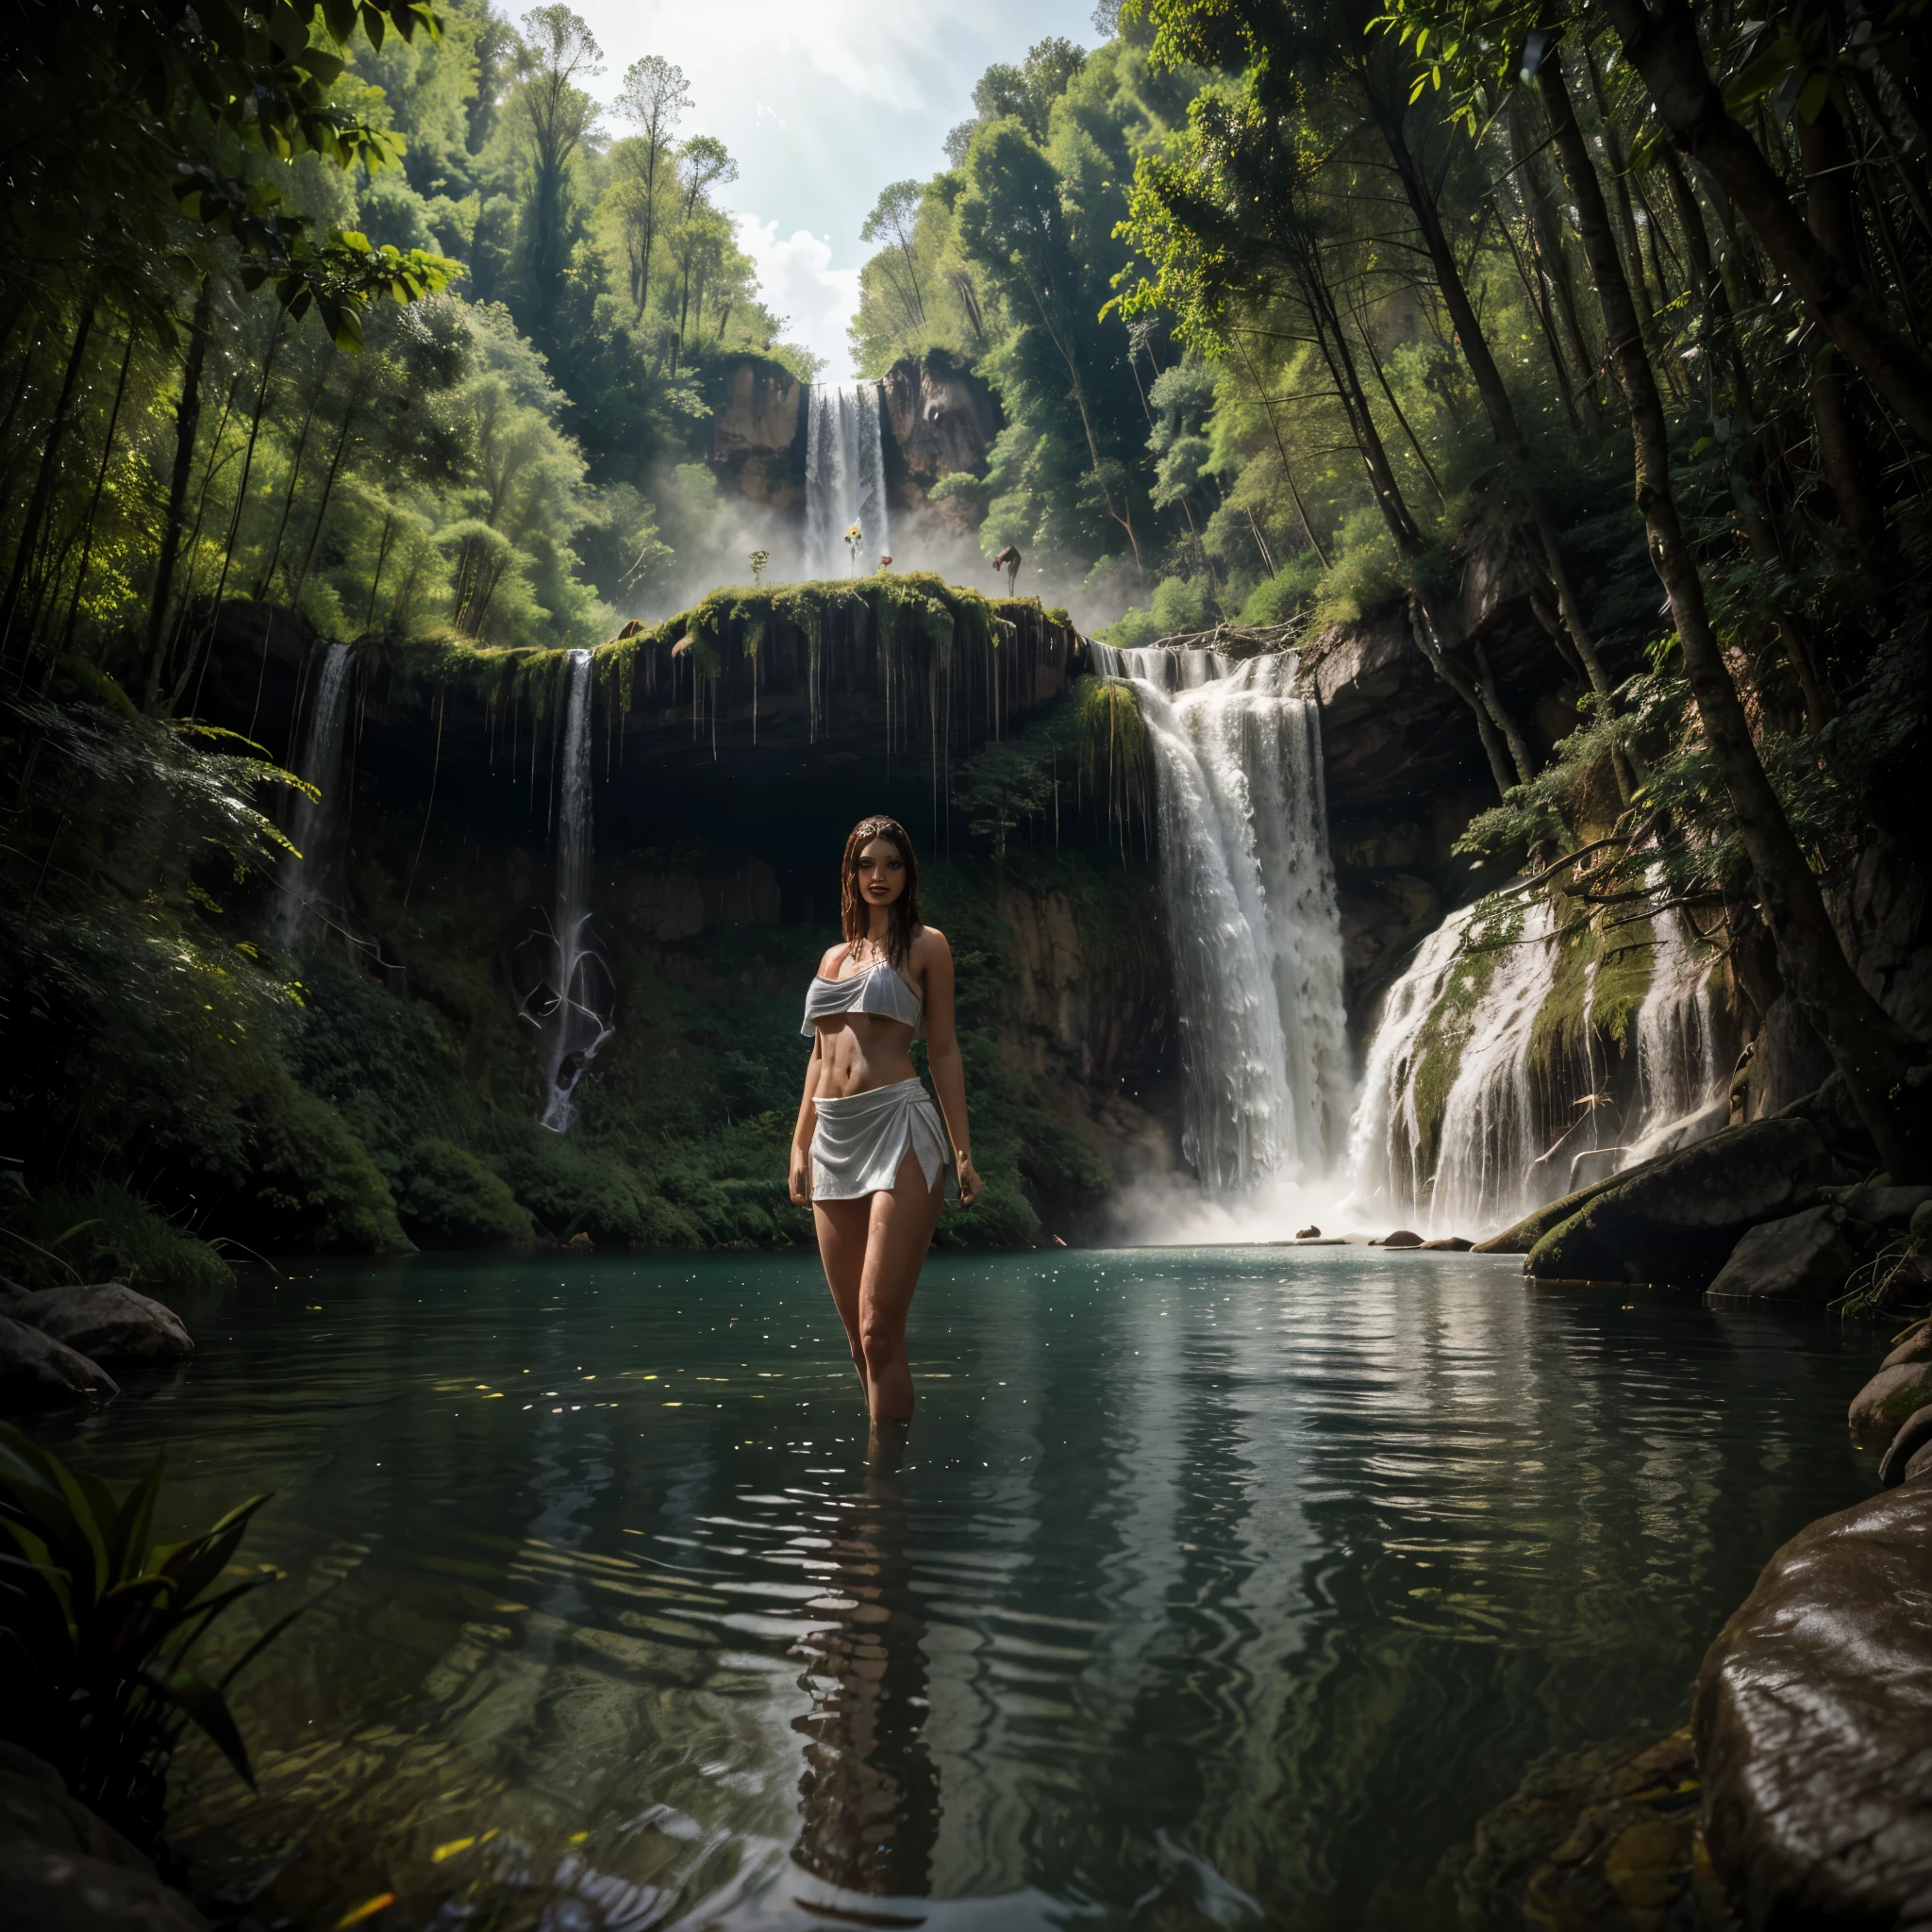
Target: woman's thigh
{"type": "Point", "coordinates": [897, 1240]}
{"type": "Point", "coordinates": [844, 1230]}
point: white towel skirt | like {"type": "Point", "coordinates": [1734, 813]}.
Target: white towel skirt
{"type": "Point", "coordinates": [863, 1137]}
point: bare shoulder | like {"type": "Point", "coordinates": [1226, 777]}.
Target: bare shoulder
{"type": "Point", "coordinates": [929, 947]}
{"type": "Point", "coordinates": [831, 961]}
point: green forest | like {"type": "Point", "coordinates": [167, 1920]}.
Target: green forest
{"type": "Point", "coordinates": [369, 316]}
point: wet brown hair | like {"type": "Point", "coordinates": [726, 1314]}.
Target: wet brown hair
{"type": "Point", "coordinates": [855, 915]}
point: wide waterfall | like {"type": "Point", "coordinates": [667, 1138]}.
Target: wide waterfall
{"type": "Point", "coordinates": [844, 479]}
{"type": "Point", "coordinates": [1477, 1106]}
{"type": "Point", "coordinates": [1251, 910]}
{"type": "Point", "coordinates": [316, 821]}
{"type": "Point", "coordinates": [578, 1021]}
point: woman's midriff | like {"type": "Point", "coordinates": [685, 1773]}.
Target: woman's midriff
{"type": "Point", "coordinates": [862, 1052]}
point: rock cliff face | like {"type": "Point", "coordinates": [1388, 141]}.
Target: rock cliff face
{"type": "Point", "coordinates": [1403, 762]}
{"type": "Point", "coordinates": [940, 421]}
{"type": "Point", "coordinates": [757, 433]}
{"type": "Point", "coordinates": [940, 417]}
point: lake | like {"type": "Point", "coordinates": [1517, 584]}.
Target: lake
{"type": "Point", "coordinates": [1212, 1586]}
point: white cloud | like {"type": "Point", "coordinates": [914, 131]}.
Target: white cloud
{"type": "Point", "coordinates": [798, 281]}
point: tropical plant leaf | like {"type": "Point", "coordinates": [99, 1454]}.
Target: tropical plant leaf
{"type": "Point", "coordinates": [206, 1708]}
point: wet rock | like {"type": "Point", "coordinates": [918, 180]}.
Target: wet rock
{"type": "Point", "coordinates": [1886, 1401]}
{"type": "Point", "coordinates": [1677, 1219]}
{"type": "Point", "coordinates": [111, 1323]}
{"type": "Point", "coordinates": [1803, 1258]}
{"type": "Point", "coordinates": [1915, 1345]}
{"type": "Point", "coordinates": [1311, 1233]}
{"type": "Point", "coordinates": [1449, 1245]}
{"type": "Point", "coordinates": [1604, 1840]}
{"type": "Point", "coordinates": [1888, 1207]}
{"type": "Point", "coordinates": [35, 1369]}
{"type": "Point", "coordinates": [1813, 1721]}
{"type": "Point", "coordinates": [1920, 1465]}
{"type": "Point", "coordinates": [1921, 1226]}
{"type": "Point", "coordinates": [63, 1869]}
{"type": "Point", "coordinates": [1913, 1434]}
{"type": "Point", "coordinates": [1402, 1237]}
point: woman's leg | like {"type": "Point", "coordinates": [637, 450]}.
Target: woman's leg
{"type": "Point", "coordinates": [900, 1233]}
{"type": "Point", "coordinates": [842, 1226]}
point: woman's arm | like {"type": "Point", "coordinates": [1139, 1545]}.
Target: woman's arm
{"type": "Point", "coordinates": [942, 1056]}
{"type": "Point", "coordinates": [799, 1179]}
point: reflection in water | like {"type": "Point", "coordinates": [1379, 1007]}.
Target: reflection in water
{"type": "Point", "coordinates": [870, 1791]}
{"type": "Point", "coordinates": [1223, 1588]}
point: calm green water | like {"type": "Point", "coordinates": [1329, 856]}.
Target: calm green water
{"type": "Point", "coordinates": [1215, 1588]}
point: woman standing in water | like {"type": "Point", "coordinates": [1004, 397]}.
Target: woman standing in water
{"type": "Point", "coordinates": [871, 1150]}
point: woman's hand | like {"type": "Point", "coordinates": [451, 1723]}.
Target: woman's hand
{"type": "Point", "coordinates": [970, 1183]}
{"type": "Point", "coordinates": [799, 1180]}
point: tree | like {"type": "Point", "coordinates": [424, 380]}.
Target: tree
{"type": "Point", "coordinates": [891, 226]}
{"type": "Point", "coordinates": [654, 99]}
{"type": "Point", "coordinates": [707, 164]}
{"type": "Point", "coordinates": [555, 114]}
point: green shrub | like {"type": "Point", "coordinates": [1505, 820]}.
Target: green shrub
{"type": "Point", "coordinates": [447, 1198]}
{"type": "Point", "coordinates": [316, 1186]}
{"type": "Point", "coordinates": [99, 1619]}
{"type": "Point", "coordinates": [572, 1188]}
{"type": "Point", "coordinates": [107, 1231]}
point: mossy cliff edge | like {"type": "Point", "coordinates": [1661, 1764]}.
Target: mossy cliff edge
{"type": "Point", "coordinates": [380, 1086]}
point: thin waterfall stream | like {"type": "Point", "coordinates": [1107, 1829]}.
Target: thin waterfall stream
{"type": "Point", "coordinates": [844, 479]}
{"type": "Point", "coordinates": [579, 1022]}
{"type": "Point", "coordinates": [316, 821]}
{"type": "Point", "coordinates": [1252, 916]}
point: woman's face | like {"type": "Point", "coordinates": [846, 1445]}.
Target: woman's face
{"type": "Point", "coordinates": [881, 872]}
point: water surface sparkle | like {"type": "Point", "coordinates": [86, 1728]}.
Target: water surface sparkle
{"type": "Point", "coordinates": [1214, 1587]}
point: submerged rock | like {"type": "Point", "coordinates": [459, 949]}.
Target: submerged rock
{"type": "Point", "coordinates": [1606, 1839]}
{"type": "Point", "coordinates": [1886, 1401]}
{"type": "Point", "coordinates": [1813, 1720]}
{"type": "Point", "coordinates": [1676, 1220]}
{"type": "Point", "coordinates": [110, 1322]}
{"type": "Point", "coordinates": [1803, 1258]}
{"type": "Point", "coordinates": [37, 1369]}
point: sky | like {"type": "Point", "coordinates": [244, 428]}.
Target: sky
{"type": "Point", "coordinates": [822, 103]}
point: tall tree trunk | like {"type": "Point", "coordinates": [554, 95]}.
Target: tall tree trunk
{"type": "Point", "coordinates": [1661, 42]}
{"type": "Point", "coordinates": [1301, 509]}
{"type": "Point", "coordinates": [1870, 1049]}
{"type": "Point", "coordinates": [43, 481]}
{"type": "Point", "coordinates": [1489, 382]}
{"type": "Point", "coordinates": [1844, 454]}
{"type": "Point", "coordinates": [187, 423]}
{"type": "Point", "coordinates": [1546, 230]}
{"type": "Point", "coordinates": [93, 507]}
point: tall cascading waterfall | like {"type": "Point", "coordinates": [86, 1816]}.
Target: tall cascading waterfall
{"type": "Point", "coordinates": [844, 478]}
{"type": "Point", "coordinates": [316, 821]}
{"type": "Point", "coordinates": [1249, 891]}
{"type": "Point", "coordinates": [1449, 1130]}
{"type": "Point", "coordinates": [1680, 1079]}
{"type": "Point", "coordinates": [578, 1021]}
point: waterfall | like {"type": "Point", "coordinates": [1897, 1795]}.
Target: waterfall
{"type": "Point", "coordinates": [1251, 909]}
{"type": "Point", "coordinates": [316, 821]}
{"type": "Point", "coordinates": [1450, 1131]}
{"type": "Point", "coordinates": [577, 1023]}
{"type": "Point", "coordinates": [1678, 1074]}
{"type": "Point", "coordinates": [844, 478]}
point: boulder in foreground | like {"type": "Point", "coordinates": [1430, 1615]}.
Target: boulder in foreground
{"type": "Point", "coordinates": [1677, 1219]}
{"type": "Point", "coordinates": [1803, 1257]}
{"type": "Point", "coordinates": [110, 1322]}
{"type": "Point", "coordinates": [1813, 1720]}
{"type": "Point", "coordinates": [36, 1370]}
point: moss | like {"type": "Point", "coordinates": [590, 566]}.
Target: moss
{"type": "Point", "coordinates": [107, 1232]}
{"type": "Point", "coordinates": [315, 1185]}
{"type": "Point", "coordinates": [447, 1198]}
{"type": "Point", "coordinates": [1438, 1052]}
{"type": "Point", "coordinates": [1909, 1397]}
{"type": "Point", "coordinates": [1607, 1005]}
{"type": "Point", "coordinates": [572, 1188]}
